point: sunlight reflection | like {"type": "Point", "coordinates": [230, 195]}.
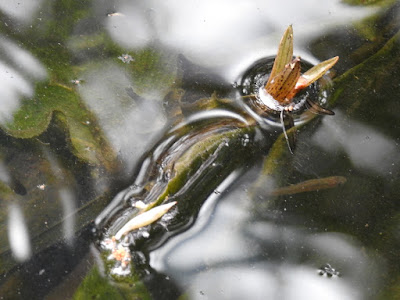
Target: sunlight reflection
{"type": "Point", "coordinates": [23, 60]}
{"type": "Point", "coordinates": [18, 235]}
{"type": "Point", "coordinates": [12, 88]}
{"type": "Point", "coordinates": [130, 29]}
{"type": "Point", "coordinates": [269, 281]}
{"type": "Point", "coordinates": [4, 173]}
{"type": "Point", "coordinates": [23, 10]}
{"type": "Point", "coordinates": [68, 205]}
{"type": "Point", "coordinates": [246, 259]}
{"type": "Point", "coordinates": [366, 147]}
{"type": "Point", "coordinates": [13, 82]}
{"type": "Point", "coordinates": [213, 33]}
{"type": "Point", "coordinates": [128, 123]}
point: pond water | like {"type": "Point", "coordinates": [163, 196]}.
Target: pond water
{"type": "Point", "coordinates": [107, 101]}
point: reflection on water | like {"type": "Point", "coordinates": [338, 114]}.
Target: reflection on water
{"type": "Point", "coordinates": [249, 257]}
{"type": "Point", "coordinates": [268, 281]}
{"type": "Point", "coordinates": [18, 235]}
{"type": "Point", "coordinates": [366, 147]}
{"type": "Point", "coordinates": [130, 123]}
{"type": "Point", "coordinates": [224, 36]}
{"type": "Point", "coordinates": [17, 69]}
{"type": "Point", "coordinates": [56, 180]}
{"type": "Point", "coordinates": [69, 207]}
{"type": "Point", "coordinates": [22, 10]}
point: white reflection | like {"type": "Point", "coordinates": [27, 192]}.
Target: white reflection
{"type": "Point", "coordinates": [225, 33]}
{"type": "Point", "coordinates": [69, 213]}
{"type": "Point", "coordinates": [130, 124]}
{"type": "Point", "coordinates": [269, 281]}
{"type": "Point", "coordinates": [187, 252]}
{"type": "Point", "coordinates": [130, 29]}
{"type": "Point", "coordinates": [23, 10]}
{"type": "Point", "coordinates": [12, 88]}
{"type": "Point", "coordinates": [66, 197]}
{"type": "Point", "coordinates": [208, 115]}
{"type": "Point", "coordinates": [4, 173]}
{"type": "Point", "coordinates": [234, 257]}
{"type": "Point", "coordinates": [23, 59]}
{"type": "Point", "coordinates": [18, 235]}
{"type": "Point", "coordinates": [14, 84]}
{"type": "Point", "coordinates": [366, 147]}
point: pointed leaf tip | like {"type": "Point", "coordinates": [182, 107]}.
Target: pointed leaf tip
{"type": "Point", "coordinates": [144, 219]}
{"type": "Point", "coordinates": [313, 75]}
{"type": "Point", "coordinates": [284, 55]}
{"type": "Point", "coordinates": [318, 71]}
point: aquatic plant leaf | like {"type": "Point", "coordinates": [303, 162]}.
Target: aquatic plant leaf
{"type": "Point", "coordinates": [358, 90]}
{"type": "Point", "coordinates": [313, 75]}
{"type": "Point", "coordinates": [96, 286]}
{"type": "Point", "coordinates": [362, 88]}
{"type": "Point", "coordinates": [195, 156]}
{"type": "Point", "coordinates": [279, 156]}
{"type": "Point", "coordinates": [317, 109]}
{"type": "Point", "coordinates": [310, 185]}
{"type": "Point", "coordinates": [276, 165]}
{"type": "Point", "coordinates": [64, 104]}
{"type": "Point", "coordinates": [285, 81]}
{"type": "Point", "coordinates": [41, 196]}
{"type": "Point", "coordinates": [193, 164]}
{"type": "Point", "coordinates": [281, 86]}
{"type": "Point", "coordinates": [284, 55]}
{"type": "Point", "coordinates": [153, 72]}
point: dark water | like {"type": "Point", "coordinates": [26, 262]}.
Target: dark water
{"type": "Point", "coordinates": [87, 88]}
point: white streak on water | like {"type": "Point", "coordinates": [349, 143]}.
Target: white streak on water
{"type": "Point", "coordinates": [366, 147]}
{"type": "Point", "coordinates": [18, 235]}
{"type": "Point", "coordinates": [68, 205]}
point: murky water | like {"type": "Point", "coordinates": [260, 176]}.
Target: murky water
{"type": "Point", "coordinates": [86, 95]}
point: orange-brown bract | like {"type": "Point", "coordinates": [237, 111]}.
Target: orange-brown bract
{"type": "Point", "coordinates": [285, 80]}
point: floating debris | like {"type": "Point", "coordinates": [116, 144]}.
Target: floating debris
{"type": "Point", "coordinates": [144, 219]}
{"type": "Point", "coordinates": [41, 186]}
{"type": "Point", "coordinates": [115, 14]}
{"type": "Point", "coordinates": [328, 271]}
{"type": "Point", "coordinates": [140, 204]}
{"type": "Point", "coordinates": [126, 58]}
{"type": "Point", "coordinates": [76, 81]}
{"type": "Point", "coordinates": [120, 252]}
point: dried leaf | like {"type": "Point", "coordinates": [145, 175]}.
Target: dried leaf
{"type": "Point", "coordinates": [144, 219]}
{"type": "Point", "coordinates": [283, 83]}
{"type": "Point", "coordinates": [284, 55]}
{"type": "Point", "coordinates": [313, 75]}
